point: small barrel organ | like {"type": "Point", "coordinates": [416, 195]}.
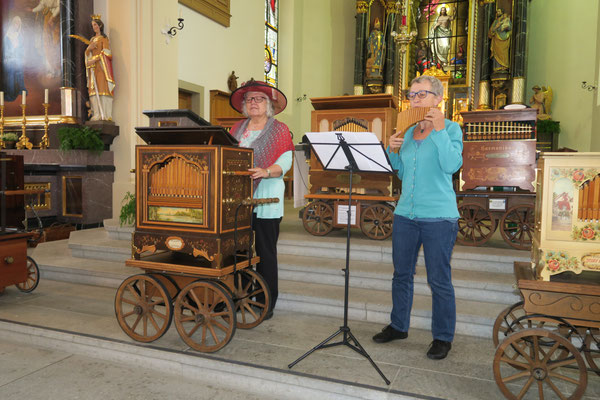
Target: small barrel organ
{"type": "Point", "coordinates": [187, 196]}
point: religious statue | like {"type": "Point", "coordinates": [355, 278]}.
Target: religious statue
{"type": "Point", "coordinates": [375, 51]}
{"type": "Point", "coordinates": [441, 35]}
{"type": "Point", "coordinates": [499, 34]}
{"type": "Point", "coordinates": [232, 81]}
{"type": "Point", "coordinates": [542, 101]}
{"type": "Point", "coordinates": [99, 72]}
{"type": "Point", "coordinates": [13, 53]}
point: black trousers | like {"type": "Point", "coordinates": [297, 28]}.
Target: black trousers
{"type": "Point", "coordinates": [266, 235]}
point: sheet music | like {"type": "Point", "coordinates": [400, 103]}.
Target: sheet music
{"type": "Point", "coordinates": [366, 148]}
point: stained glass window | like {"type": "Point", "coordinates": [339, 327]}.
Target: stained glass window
{"type": "Point", "coordinates": [271, 41]}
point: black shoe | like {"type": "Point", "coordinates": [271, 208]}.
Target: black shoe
{"type": "Point", "coordinates": [388, 334]}
{"type": "Point", "coordinates": [438, 349]}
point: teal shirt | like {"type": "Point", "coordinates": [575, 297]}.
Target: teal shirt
{"type": "Point", "coordinates": [270, 187]}
{"type": "Point", "coordinates": [426, 173]}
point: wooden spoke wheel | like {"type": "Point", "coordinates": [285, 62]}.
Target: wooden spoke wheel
{"type": "Point", "coordinates": [143, 307]}
{"type": "Point", "coordinates": [204, 316]}
{"type": "Point", "coordinates": [503, 326]}
{"type": "Point", "coordinates": [252, 298]}
{"type": "Point", "coordinates": [33, 277]}
{"type": "Point", "coordinates": [516, 226]}
{"type": "Point", "coordinates": [475, 225]}
{"type": "Point", "coordinates": [592, 349]}
{"type": "Point", "coordinates": [376, 221]}
{"type": "Point", "coordinates": [547, 366]}
{"type": "Point", "coordinates": [318, 218]}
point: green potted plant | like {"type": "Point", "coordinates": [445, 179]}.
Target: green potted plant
{"type": "Point", "coordinates": [547, 134]}
{"type": "Point", "coordinates": [127, 216]}
{"type": "Point", "coordinates": [10, 139]}
{"type": "Point", "coordinates": [80, 138]}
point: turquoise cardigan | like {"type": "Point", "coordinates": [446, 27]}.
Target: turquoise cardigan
{"type": "Point", "coordinates": [426, 173]}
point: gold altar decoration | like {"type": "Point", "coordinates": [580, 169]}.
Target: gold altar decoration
{"type": "Point", "coordinates": [24, 142]}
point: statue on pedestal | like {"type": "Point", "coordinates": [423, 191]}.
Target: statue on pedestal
{"type": "Point", "coordinates": [542, 101]}
{"type": "Point", "coordinates": [99, 72]}
{"type": "Point", "coordinates": [375, 51]}
{"type": "Point", "coordinates": [499, 35]}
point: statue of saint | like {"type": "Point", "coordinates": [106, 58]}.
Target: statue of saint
{"type": "Point", "coordinates": [440, 34]}
{"type": "Point", "coordinates": [375, 51]}
{"type": "Point", "coordinates": [499, 34]}
{"type": "Point", "coordinates": [99, 72]}
{"type": "Point", "coordinates": [542, 101]}
{"type": "Point", "coordinates": [232, 82]}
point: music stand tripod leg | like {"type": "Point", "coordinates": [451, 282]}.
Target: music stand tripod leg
{"type": "Point", "coordinates": [345, 329]}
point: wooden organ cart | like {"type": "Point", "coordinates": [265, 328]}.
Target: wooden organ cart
{"type": "Point", "coordinates": [193, 236]}
{"type": "Point", "coordinates": [541, 342]}
{"type": "Point", "coordinates": [496, 183]}
{"type": "Point", "coordinates": [16, 267]}
{"type": "Point", "coordinates": [373, 192]}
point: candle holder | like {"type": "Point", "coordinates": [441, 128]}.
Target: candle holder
{"type": "Point", "coordinates": [1, 126]}
{"type": "Point", "coordinates": [45, 143]}
{"type": "Point", "coordinates": [24, 142]}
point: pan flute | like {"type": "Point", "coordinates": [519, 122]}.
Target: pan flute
{"type": "Point", "coordinates": [408, 118]}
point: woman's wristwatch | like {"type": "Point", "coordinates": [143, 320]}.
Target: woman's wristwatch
{"type": "Point", "coordinates": [268, 172]}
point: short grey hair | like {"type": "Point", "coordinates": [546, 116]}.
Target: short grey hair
{"type": "Point", "coordinates": [270, 109]}
{"type": "Point", "coordinates": [435, 83]}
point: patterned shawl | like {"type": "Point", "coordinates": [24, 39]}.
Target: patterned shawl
{"type": "Point", "coordinates": [274, 140]}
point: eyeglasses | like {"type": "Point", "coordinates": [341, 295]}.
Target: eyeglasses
{"type": "Point", "coordinates": [257, 99]}
{"type": "Point", "coordinates": [420, 94]}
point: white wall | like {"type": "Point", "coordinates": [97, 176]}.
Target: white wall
{"type": "Point", "coordinates": [145, 70]}
{"type": "Point", "coordinates": [209, 51]}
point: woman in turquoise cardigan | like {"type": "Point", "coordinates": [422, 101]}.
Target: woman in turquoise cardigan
{"type": "Point", "coordinates": [273, 147]}
{"type": "Point", "coordinates": [426, 214]}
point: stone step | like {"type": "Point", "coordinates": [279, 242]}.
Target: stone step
{"type": "Point", "coordinates": [464, 257]}
{"type": "Point", "coordinates": [318, 290]}
{"type": "Point", "coordinates": [490, 287]}
{"type": "Point", "coordinates": [240, 379]}
{"type": "Point", "coordinates": [474, 318]}
{"type": "Point", "coordinates": [98, 244]}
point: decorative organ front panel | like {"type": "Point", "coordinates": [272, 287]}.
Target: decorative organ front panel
{"type": "Point", "coordinates": [567, 226]}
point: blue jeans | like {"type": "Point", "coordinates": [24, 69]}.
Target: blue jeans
{"type": "Point", "coordinates": [438, 241]}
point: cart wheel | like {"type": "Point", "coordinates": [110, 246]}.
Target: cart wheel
{"type": "Point", "coordinates": [592, 349]}
{"type": "Point", "coordinates": [516, 226]}
{"type": "Point", "coordinates": [33, 277]}
{"type": "Point", "coordinates": [376, 221]}
{"type": "Point", "coordinates": [201, 326]}
{"type": "Point", "coordinates": [475, 225]}
{"type": "Point", "coordinates": [252, 298]}
{"type": "Point", "coordinates": [503, 326]}
{"type": "Point", "coordinates": [547, 364]}
{"type": "Point", "coordinates": [143, 307]}
{"type": "Point", "coordinates": [318, 218]}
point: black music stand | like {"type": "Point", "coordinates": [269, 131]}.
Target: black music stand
{"type": "Point", "coordinates": [326, 146]}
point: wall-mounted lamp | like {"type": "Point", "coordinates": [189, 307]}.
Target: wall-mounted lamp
{"type": "Point", "coordinates": [301, 98]}
{"type": "Point", "coordinates": [172, 31]}
{"type": "Point", "coordinates": [584, 85]}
